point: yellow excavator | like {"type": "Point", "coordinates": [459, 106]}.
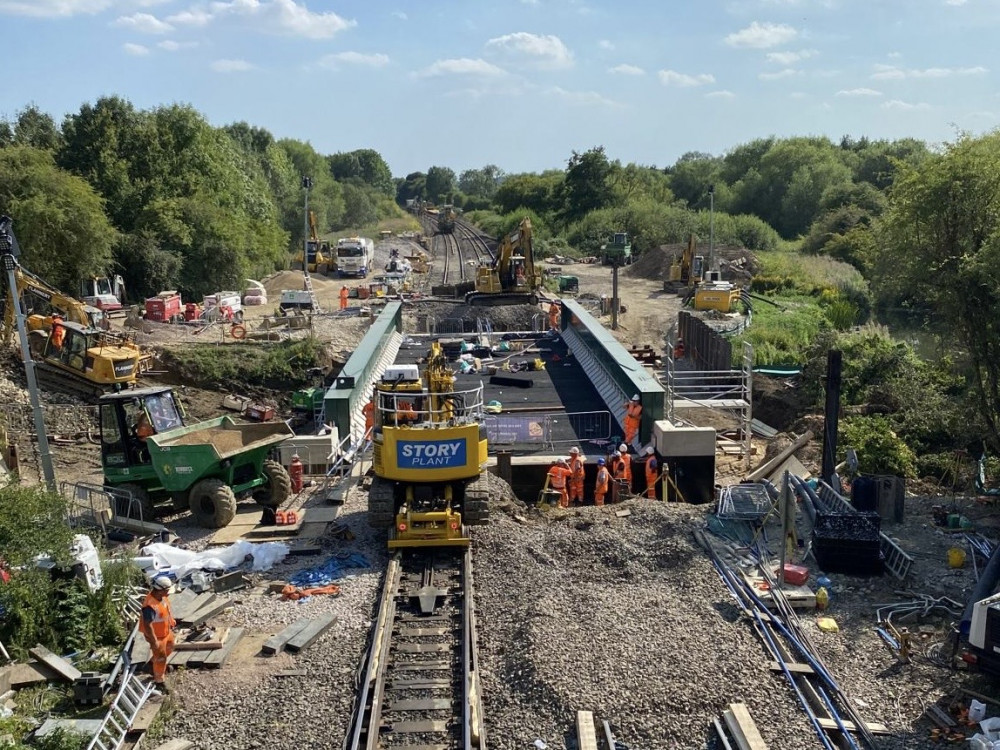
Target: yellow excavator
{"type": "Point", "coordinates": [687, 270]}
{"type": "Point", "coordinates": [84, 356]}
{"type": "Point", "coordinates": [316, 254]}
{"type": "Point", "coordinates": [429, 456]}
{"type": "Point", "coordinates": [511, 279]}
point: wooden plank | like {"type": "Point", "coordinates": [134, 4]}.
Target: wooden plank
{"type": "Point", "coordinates": [209, 645]}
{"type": "Point", "coordinates": [66, 670]}
{"type": "Point", "coordinates": [200, 600]}
{"type": "Point", "coordinates": [211, 610]}
{"type": "Point", "coordinates": [741, 725]}
{"type": "Point", "coordinates": [31, 673]}
{"type": "Point", "coordinates": [217, 658]}
{"type": "Point", "coordinates": [276, 643]}
{"type": "Point", "coordinates": [310, 633]}
{"type": "Point", "coordinates": [179, 658]}
{"type": "Point", "coordinates": [140, 651]}
{"type": "Point", "coordinates": [873, 727]}
{"type": "Point", "coordinates": [586, 732]}
{"type": "Point", "coordinates": [794, 668]}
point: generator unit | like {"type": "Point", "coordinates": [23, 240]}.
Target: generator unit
{"type": "Point", "coordinates": [984, 636]}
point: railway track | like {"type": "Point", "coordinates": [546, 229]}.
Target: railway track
{"type": "Point", "coordinates": [453, 257]}
{"type": "Point", "coordinates": [419, 683]}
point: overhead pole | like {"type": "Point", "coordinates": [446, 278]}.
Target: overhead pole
{"type": "Point", "coordinates": [614, 294]}
{"type": "Point", "coordinates": [9, 251]}
{"type": "Point", "coordinates": [711, 227]}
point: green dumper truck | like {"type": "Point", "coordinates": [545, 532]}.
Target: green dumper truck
{"type": "Point", "coordinates": [150, 456]}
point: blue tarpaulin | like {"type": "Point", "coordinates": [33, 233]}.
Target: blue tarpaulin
{"type": "Point", "coordinates": [328, 572]}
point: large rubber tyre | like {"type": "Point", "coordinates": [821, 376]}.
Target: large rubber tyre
{"type": "Point", "coordinates": [278, 488]}
{"type": "Point", "coordinates": [381, 504]}
{"type": "Point", "coordinates": [141, 502]}
{"type": "Point", "coordinates": [476, 506]}
{"type": "Point", "coordinates": [212, 503]}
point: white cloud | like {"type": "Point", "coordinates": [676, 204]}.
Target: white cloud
{"type": "Point", "coordinates": [786, 73]}
{"type": "Point", "coordinates": [894, 55]}
{"type": "Point", "coordinates": [904, 106]}
{"type": "Point", "coordinates": [723, 94]}
{"type": "Point", "coordinates": [673, 78]}
{"type": "Point", "coordinates": [858, 92]}
{"type": "Point", "coordinates": [399, 14]}
{"type": "Point", "coordinates": [67, 8]}
{"type": "Point", "coordinates": [529, 2]}
{"type": "Point", "coordinates": [461, 66]}
{"type": "Point", "coordinates": [335, 61]}
{"type": "Point", "coordinates": [789, 57]}
{"type": "Point", "coordinates": [231, 66]}
{"type": "Point", "coordinates": [892, 72]}
{"type": "Point", "coordinates": [541, 51]}
{"type": "Point", "coordinates": [955, 2]}
{"type": "Point", "coordinates": [606, 44]}
{"type": "Point", "coordinates": [171, 46]}
{"type": "Point", "coordinates": [762, 35]}
{"type": "Point", "coordinates": [583, 98]}
{"type": "Point", "coordinates": [144, 23]}
{"type": "Point", "coordinates": [627, 70]}
{"type": "Point", "coordinates": [284, 17]}
{"type": "Point", "coordinates": [136, 50]}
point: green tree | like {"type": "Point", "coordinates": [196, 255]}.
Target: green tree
{"type": "Point", "coordinates": [440, 184]}
{"type": "Point", "coordinates": [366, 165]}
{"type": "Point", "coordinates": [146, 268]}
{"type": "Point", "coordinates": [359, 209]}
{"type": "Point", "coordinates": [412, 187]}
{"type": "Point", "coordinates": [326, 198]}
{"type": "Point", "coordinates": [36, 129]}
{"type": "Point", "coordinates": [481, 183]}
{"type": "Point", "coordinates": [692, 176]}
{"type": "Point", "coordinates": [59, 220]}
{"type": "Point", "coordinates": [939, 246]}
{"type": "Point", "coordinates": [535, 191]}
{"type": "Point", "coordinates": [587, 185]}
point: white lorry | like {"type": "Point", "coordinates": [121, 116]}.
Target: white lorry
{"type": "Point", "coordinates": [355, 256]}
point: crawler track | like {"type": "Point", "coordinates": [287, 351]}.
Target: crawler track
{"type": "Point", "coordinates": [419, 684]}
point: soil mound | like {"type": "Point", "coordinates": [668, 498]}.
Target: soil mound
{"type": "Point", "coordinates": [735, 261]}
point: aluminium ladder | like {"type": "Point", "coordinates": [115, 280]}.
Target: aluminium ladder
{"type": "Point", "coordinates": [131, 697]}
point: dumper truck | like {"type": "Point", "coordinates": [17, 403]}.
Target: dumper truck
{"type": "Point", "coordinates": [150, 456]}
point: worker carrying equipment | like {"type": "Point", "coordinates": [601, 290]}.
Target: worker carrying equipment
{"type": "Point", "coordinates": [621, 472]}
{"type": "Point", "coordinates": [576, 476]}
{"type": "Point", "coordinates": [603, 480]}
{"type": "Point", "coordinates": [156, 624]}
{"type": "Point", "coordinates": [652, 473]}
{"type": "Point", "coordinates": [557, 480]}
{"type": "Point", "coordinates": [633, 417]}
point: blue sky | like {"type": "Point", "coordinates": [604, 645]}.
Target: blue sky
{"type": "Point", "coordinates": [520, 83]}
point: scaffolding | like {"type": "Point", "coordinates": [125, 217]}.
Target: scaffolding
{"type": "Point", "coordinates": [726, 391]}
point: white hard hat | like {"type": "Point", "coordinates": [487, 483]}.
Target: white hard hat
{"type": "Point", "coordinates": [574, 449]}
{"type": "Point", "coordinates": [649, 450]}
{"type": "Point", "coordinates": [162, 583]}
{"type": "Point", "coordinates": [562, 462]}
{"type": "Point", "coordinates": [623, 448]}
{"type": "Point", "coordinates": [635, 397]}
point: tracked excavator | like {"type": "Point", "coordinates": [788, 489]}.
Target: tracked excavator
{"type": "Point", "coordinates": [85, 357]}
{"type": "Point", "coordinates": [512, 278]}
{"type": "Point", "coordinates": [429, 456]}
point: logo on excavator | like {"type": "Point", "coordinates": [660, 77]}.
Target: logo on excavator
{"type": "Point", "coordinates": [430, 454]}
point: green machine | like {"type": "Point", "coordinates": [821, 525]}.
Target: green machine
{"type": "Point", "coordinates": [617, 251]}
{"type": "Point", "coordinates": [148, 451]}
{"type": "Point", "coordinates": [569, 284]}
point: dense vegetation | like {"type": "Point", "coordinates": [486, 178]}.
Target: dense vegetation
{"type": "Point", "coordinates": [844, 230]}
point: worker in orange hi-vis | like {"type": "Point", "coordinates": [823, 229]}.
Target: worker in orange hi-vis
{"type": "Point", "coordinates": [58, 332]}
{"type": "Point", "coordinates": [576, 476]}
{"type": "Point", "coordinates": [603, 480]}
{"type": "Point", "coordinates": [554, 315]}
{"type": "Point", "coordinates": [369, 412]}
{"type": "Point", "coordinates": [679, 348]}
{"type": "Point", "coordinates": [557, 480]}
{"type": "Point", "coordinates": [621, 472]}
{"type": "Point", "coordinates": [633, 418]}
{"type": "Point", "coordinates": [652, 473]}
{"type": "Point", "coordinates": [343, 298]}
{"type": "Point", "coordinates": [156, 624]}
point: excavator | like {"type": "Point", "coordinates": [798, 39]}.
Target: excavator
{"type": "Point", "coordinates": [85, 357]}
{"type": "Point", "coordinates": [686, 271]}
{"type": "Point", "coordinates": [430, 456]}
{"type": "Point", "coordinates": [318, 254]}
{"type": "Point", "coordinates": [511, 279]}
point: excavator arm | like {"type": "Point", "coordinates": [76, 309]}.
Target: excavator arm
{"type": "Point", "coordinates": [71, 309]}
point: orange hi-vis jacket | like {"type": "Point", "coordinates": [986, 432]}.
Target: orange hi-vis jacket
{"type": "Point", "coordinates": [156, 621]}
{"type": "Point", "coordinates": [623, 468]}
{"type": "Point", "coordinates": [603, 480]}
{"type": "Point", "coordinates": [576, 470]}
{"type": "Point", "coordinates": [652, 470]}
{"type": "Point", "coordinates": [633, 412]}
{"type": "Point", "coordinates": [557, 477]}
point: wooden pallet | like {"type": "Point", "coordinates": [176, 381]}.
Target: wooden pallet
{"type": "Point", "coordinates": [799, 597]}
{"type": "Point", "coordinates": [311, 524]}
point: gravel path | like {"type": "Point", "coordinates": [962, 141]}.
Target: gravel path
{"type": "Point", "coordinates": [246, 704]}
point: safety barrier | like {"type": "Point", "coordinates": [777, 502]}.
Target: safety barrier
{"type": "Point", "coordinates": [587, 426]}
{"type": "Point", "coordinates": [92, 505]}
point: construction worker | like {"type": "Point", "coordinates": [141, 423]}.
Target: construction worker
{"type": "Point", "coordinates": [652, 473]}
{"type": "Point", "coordinates": [576, 476]}
{"type": "Point", "coordinates": [557, 479]}
{"type": "Point", "coordinates": [369, 412]}
{"type": "Point", "coordinates": [58, 332]}
{"type": "Point", "coordinates": [633, 417]}
{"type": "Point", "coordinates": [343, 297]}
{"type": "Point", "coordinates": [554, 315]}
{"type": "Point", "coordinates": [603, 480]}
{"type": "Point", "coordinates": [621, 472]}
{"type": "Point", "coordinates": [156, 625]}
{"type": "Point", "coordinates": [679, 348]}
{"type": "Point", "coordinates": [143, 428]}
{"type": "Point", "coordinates": [405, 413]}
